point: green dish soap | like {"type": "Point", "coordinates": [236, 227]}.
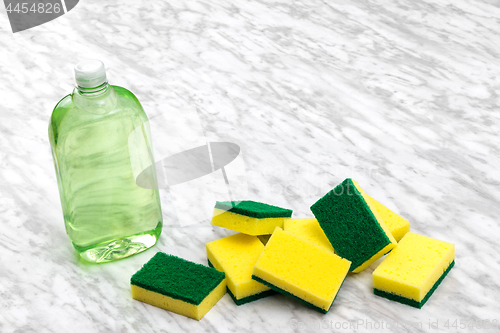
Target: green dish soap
{"type": "Point", "coordinates": [101, 142]}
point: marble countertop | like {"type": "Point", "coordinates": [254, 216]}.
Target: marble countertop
{"type": "Point", "coordinates": [402, 96]}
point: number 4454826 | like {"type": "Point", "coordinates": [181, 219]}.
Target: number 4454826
{"type": "Point", "coordinates": [40, 7]}
{"type": "Point", "coordinates": [470, 324]}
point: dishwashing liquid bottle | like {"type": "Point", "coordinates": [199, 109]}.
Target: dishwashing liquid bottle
{"type": "Point", "coordinates": [101, 142]}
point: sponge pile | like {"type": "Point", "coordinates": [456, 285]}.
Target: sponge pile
{"type": "Point", "coordinates": [306, 259]}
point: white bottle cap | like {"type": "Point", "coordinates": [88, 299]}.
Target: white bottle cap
{"type": "Point", "coordinates": [90, 73]}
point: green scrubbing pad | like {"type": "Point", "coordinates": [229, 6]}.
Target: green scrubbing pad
{"type": "Point", "coordinates": [354, 229]}
{"type": "Point", "coordinates": [255, 209]}
{"type": "Point", "coordinates": [178, 285]}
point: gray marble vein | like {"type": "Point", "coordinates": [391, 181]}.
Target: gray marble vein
{"type": "Point", "coordinates": [402, 96]}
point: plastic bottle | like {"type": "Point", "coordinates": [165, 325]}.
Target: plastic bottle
{"type": "Point", "coordinates": [101, 142]}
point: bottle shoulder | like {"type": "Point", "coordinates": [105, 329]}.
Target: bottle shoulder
{"type": "Point", "coordinates": [123, 91]}
{"type": "Point", "coordinates": [58, 114]}
{"type": "Point", "coordinates": [127, 98]}
{"type": "Point", "coordinates": [67, 116]}
{"type": "Point", "coordinates": [63, 106]}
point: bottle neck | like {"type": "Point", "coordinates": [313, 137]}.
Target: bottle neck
{"type": "Point", "coordinates": [93, 92]}
{"type": "Point", "coordinates": [97, 100]}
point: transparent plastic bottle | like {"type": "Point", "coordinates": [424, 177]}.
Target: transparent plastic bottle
{"type": "Point", "coordinates": [101, 142]}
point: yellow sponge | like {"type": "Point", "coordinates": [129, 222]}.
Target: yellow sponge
{"type": "Point", "coordinates": [301, 269]}
{"type": "Point", "coordinates": [249, 217]}
{"type": "Point", "coordinates": [414, 269]}
{"type": "Point", "coordinates": [397, 225]}
{"type": "Point", "coordinates": [236, 255]}
{"type": "Point", "coordinates": [310, 230]}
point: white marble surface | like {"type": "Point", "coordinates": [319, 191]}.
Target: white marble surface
{"type": "Point", "coordinates": [401, 95]}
